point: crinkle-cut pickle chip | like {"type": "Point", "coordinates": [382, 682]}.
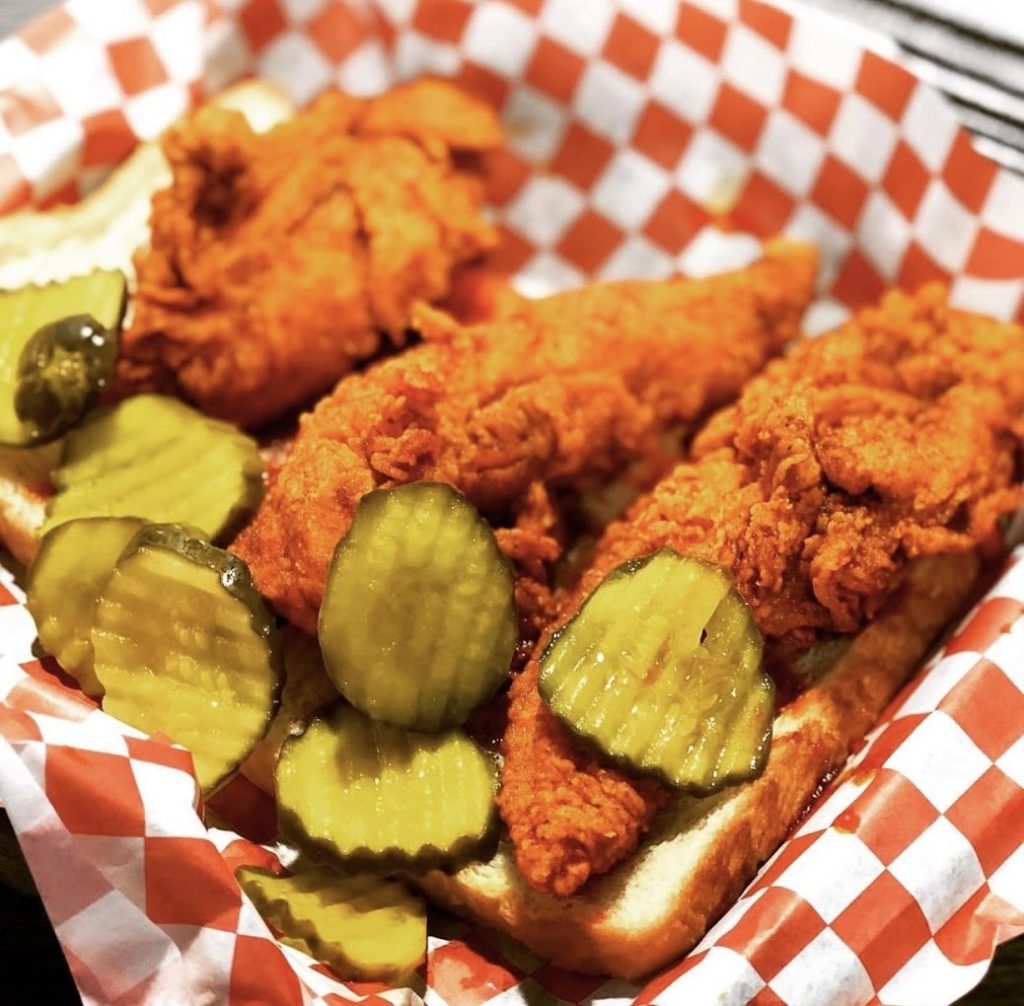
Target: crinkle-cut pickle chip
{"type": "Point", "coordinates": [366, 928]}
{"type": "Point", "coordinates": [155, 457]}
{"type": "Point", "coordinates": [47, 390]}
{"type": "Point", "coordinates": [62, 371]}
{"type": "Point", "coordinates": [373, 795]}
{"type": "Point", "coordinates": [661, 670]}
{"type": "Point", "coordinates": [72, 566]}
{"type": "Point", "coordinates": [183, 645]}
{"type": "Point", "coordinates": [418, 622]}
{"type": "Point", "coordinates": [307, 689]}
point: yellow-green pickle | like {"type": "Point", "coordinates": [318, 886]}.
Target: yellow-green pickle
{"type": "Point", "coordinates": [366, 928]}
{"type": "Point", "coordinates": [155, 457]}
{"type": "Point", "coordinates": [70, 570]}
{"type": "Point", "coordinates": [183, 645]}
{"type": "Point", "coordinates": [661, 669]}
{"type": "Point", "coordinates": [366, 794]}
{"type": "Point", "coordinates": [418, 623]}
{"type": "Point", "coordinates": [58, 346]}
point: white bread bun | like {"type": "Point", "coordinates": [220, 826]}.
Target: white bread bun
{"type": "Point", "coordinates": [701, 853]}
{"type": "Point", "coordinates": [24, 476]}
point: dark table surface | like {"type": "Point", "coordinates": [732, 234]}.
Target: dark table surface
{"type": "Point", "coordinates": [975, 53]}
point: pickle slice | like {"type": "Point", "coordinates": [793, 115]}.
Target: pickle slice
{"type": "Point", "coordinates": [661, 670]}
{"type": "Point", "coordinates": [70, 569]}
{"type": "Point", "coordinates": [371, 794]}
{"type": "Point", "coordinates": [62, 371]}
{"type": "Point", "coordinates": [157, 458]}
{"type": "Point", "coordinates": [418, 622]}
{"type": "Point", "coordinates": [366, 928]}
{"type": "Point", "coordinates": [58, 345]}
{"type": "Point", "coordinates": [184, 645]}
{"type": "Point", "coordinates": [307, 688]}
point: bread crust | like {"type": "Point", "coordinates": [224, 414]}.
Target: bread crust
{"type": "Point", "coordinates": [702, 853]}
{"type": "Point", "coordinates": [22, 506]}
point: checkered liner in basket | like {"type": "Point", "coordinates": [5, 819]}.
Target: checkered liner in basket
{"type": "Point", "coordinates": [646, 137]}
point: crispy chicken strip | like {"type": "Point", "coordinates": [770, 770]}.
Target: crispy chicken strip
{"type": "Point", "coordinates": [898, 436]}
{"type": "Point", "coordinates": [279, 260]}
{"type": "Point", "coordinates": [550, 395]}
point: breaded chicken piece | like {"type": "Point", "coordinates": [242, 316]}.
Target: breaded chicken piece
{"type": "Point", "coordinates": [898, 436]}
{"type": "Point", "coordinates": [554, 394]}
{"type": "Point", "coordinates": [479, 293]}
{"type": "Point", "coordinates": [279, 260]}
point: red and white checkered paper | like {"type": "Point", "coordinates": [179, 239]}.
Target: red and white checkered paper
{"type": "Point", "coordinates": [645, 137]}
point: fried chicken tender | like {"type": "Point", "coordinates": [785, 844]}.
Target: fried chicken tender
{"type": "Point", "coordinates": [898, 436]}
{"type": "Point", "coordinates": [279, 260]}
{"type": "Point", "coordinates": [480, 293]}
{"type": "Point", "coordinates": [553, 394]}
